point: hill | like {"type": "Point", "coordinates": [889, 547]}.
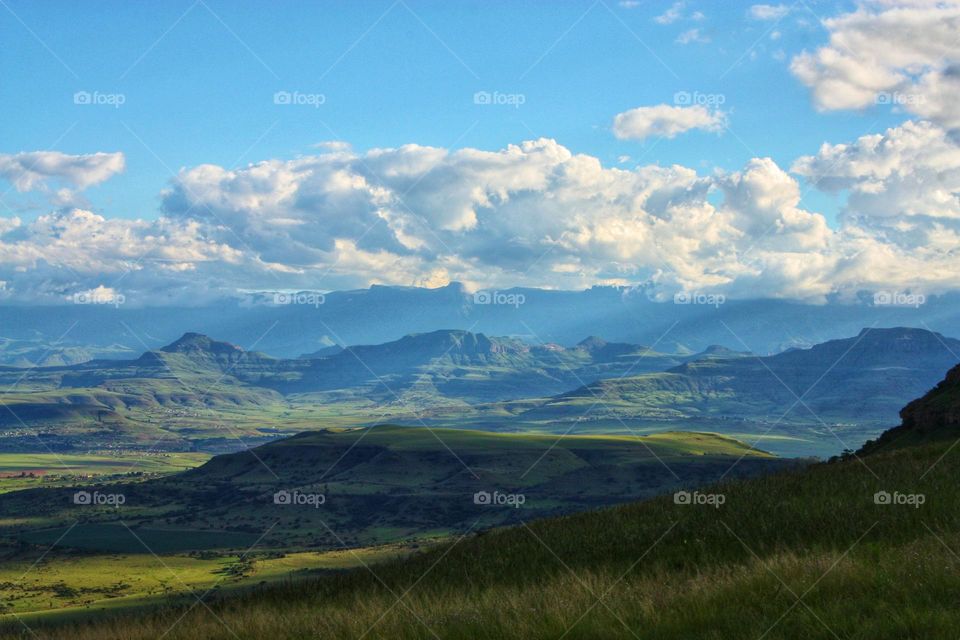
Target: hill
{"type": "Point", "coordinates": [803, 554]}
{"type": "Point", "coordinates": [852, 386]}
{"type": "Point", "coordinates": [934, 417]}
{"type": "Point", "coordinates": [381, 484]}
{"type": "Point", "coordinates": [180, 394]}
{"type": "Point", "coordinates": [802, 401]}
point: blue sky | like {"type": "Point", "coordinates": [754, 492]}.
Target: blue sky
{"type": "Point", "coordinates": [804, 150]}
{"type": "Point", "coordinates": [198, 81]}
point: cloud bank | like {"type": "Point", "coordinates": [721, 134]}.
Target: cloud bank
{"type": "Point", "coordinates": [530, 214]}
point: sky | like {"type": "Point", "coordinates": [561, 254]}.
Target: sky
{"type": "Point", "coordinates": [166, 151]}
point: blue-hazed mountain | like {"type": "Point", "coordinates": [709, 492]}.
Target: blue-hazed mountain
{"type": "Point", "coordinates": [381, 314]}
{"type": "Point", "coordinates": [458, 363]}
{"type": "Point", "coordinates": [858, 380]}
{"type": "Point", "coordinates": [197, 389]}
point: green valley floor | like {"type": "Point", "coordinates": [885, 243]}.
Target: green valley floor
{"type": "Point", "coordinates": [859, 548]}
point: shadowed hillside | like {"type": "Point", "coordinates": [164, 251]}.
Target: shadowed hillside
{"type": "Point", "coordinates": [802, 554]}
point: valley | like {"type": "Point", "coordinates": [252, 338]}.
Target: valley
{"type": "Point", "coordinates": [203, 469]}
{"type": "Point", "coordinates": [200, 394]}
{"type": "Point", "coordinates": [769, 558]}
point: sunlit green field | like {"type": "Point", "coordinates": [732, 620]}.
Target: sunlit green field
{"type": "Point", "coordinates": [28, 470]}
{"type": "Point", "coordinates": [63, 584]}
{"type": "Point", "coordinates": [801, 554]}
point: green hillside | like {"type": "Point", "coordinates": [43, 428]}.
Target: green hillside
{"type": "Point", "coordinates": [863, 546]}
{"type": "Point", "coordinates": [380, 484]}
{"type": "Point", "coordinates": [801, 554]}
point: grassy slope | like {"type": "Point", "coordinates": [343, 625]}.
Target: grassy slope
{"type": "Point", "coordinates": [66, 584]}
{"type": "Point", "coordinates": [653, 570]}
{"type": "Point", "coordinates": [28, 470]}
{"type": "Point", "coordinates": [382, 484]}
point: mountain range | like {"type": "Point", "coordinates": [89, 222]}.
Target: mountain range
{"type": "Point", "coordinates": [383, 314]}
{"type": "Point", "coordinates": [184, 393]}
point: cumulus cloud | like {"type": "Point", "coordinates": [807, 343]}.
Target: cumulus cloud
{"type": "Point", "coordinates": [902, 215]}
{"type": "Point", "coordinates": [907, 172]}
{"type": "Point", "coordinates": [903, 53]}
{"type": "Point", "coordinates": [666, 121]}
{"type": "Point", "coordinates": [31, 170]}
{"type": "Point", "coordinates": [533, 214]}
{"type": "Point", "coordinates": [58, 175]}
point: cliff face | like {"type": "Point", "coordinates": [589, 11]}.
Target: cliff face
{"type": "Point", "coordinates": [934, 416]}
{"type": "Point", "coordinates": [939, 408]}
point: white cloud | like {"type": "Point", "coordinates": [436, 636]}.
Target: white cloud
{"type": "Point", "coordinates": [768, 11]}
{"type": "Point", "coordinates": [904, 53]}
{"type": "Point", "coordinates": [333, 145]}
{"type": "Point", "coordinates": [910, 171]}
{"type": "Point", "coordinates": [692, 35]}
{"type": "Point", "coordinates": [40, 170]}
{"type": "Point", "coordinates": [671, 15]}
{"type": "Point", "coordinates": [665, 120]}
{"type": "Point", "coordinates": [532, 214]}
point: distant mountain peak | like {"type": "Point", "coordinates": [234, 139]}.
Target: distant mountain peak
{"type": "Point", "coordinates": [191, 342]}
{"type": "Point", "coordinates": [717, 349]}
{"type": "Point", "coordinates": [460, 341]}
{"type": "Point", "coordinates": [592, 342]}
